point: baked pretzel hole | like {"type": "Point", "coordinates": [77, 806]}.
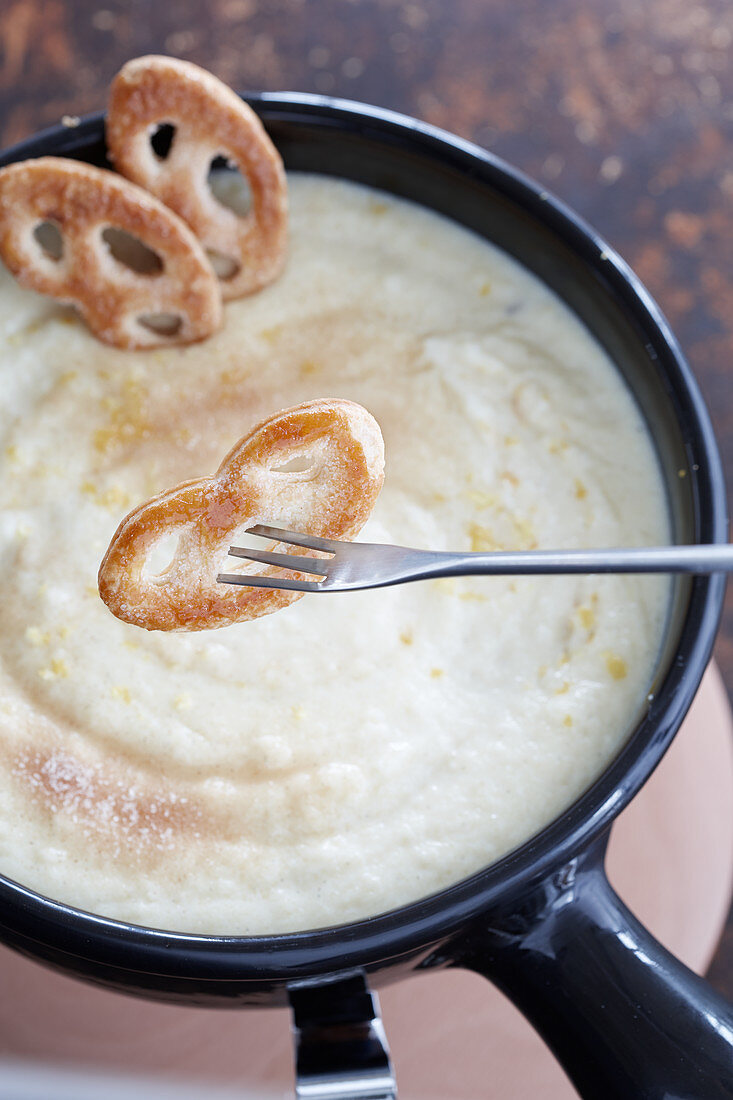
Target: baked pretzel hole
{"type": "Point", "coordinates": [240, 537]}
{"type": "Point", "coordinates": [162, 324]}
{"type": "Point", "coordinates": [225, 267]}
{"type": "Point", "coordinates": [160, 557]}
{"type": "Point", "coordinates": [161, 139]}
{"type": "Point", "coordinates": [51, 242]}
{"type": "Point", "coordinates": [131, 252]}
{"type": "Point", "coordinates": [300, 464]}
{"type": "Point", "coordinates": [229, 186]}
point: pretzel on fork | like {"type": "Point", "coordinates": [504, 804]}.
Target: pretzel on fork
{"type": "Point", "coordinates": [261, 480]}
{"type": "Point", "coordinates": [208, 121]}
{"type": "Point", "coordinates": [176, 301]}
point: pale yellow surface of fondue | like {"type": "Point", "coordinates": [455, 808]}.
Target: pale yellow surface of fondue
{"type": "Point", "coordinates": [353, 752]}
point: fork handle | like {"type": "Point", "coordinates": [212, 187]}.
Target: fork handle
{"type": "Point", "coordinates": [644, 559]}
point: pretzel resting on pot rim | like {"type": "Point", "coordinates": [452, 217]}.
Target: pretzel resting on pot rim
{"type": "Point", "coordinates": [206, 121]}
{"type": "Point", "coordinates": [316, 468]}
{"type": "Point", "coordinates": [175, 301]}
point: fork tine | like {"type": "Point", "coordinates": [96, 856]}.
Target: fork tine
{"type": "Point", "coordinates": [252, 581]}
{"type": "Point", "coordinates": [287, 561]}
{"type": "Point", "coordinates": [278, 535]}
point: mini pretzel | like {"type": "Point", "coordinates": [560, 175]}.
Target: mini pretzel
{"type": "Point", "coordinates": [332, 498]}
{"type": "Point", "coordinates": [209, 121]}
{"type": "Point", "coordinates": [115, 301]}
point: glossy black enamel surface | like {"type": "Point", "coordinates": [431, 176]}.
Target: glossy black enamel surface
{"type": "Point", "coordinates": [415, 161]}
{"type": "Point", "coordinates": [624, 1017]}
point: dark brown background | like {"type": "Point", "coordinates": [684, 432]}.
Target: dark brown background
{"type": "Point", "coordinates": [624, 108]}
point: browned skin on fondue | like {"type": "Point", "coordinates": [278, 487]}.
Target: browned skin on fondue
{"type": "Point", "coordinates": [117, 808]}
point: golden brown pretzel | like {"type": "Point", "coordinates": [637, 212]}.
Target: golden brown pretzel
{"type": "Point", "coordinates": [209, 121]}
{"type": "Point", "coordinates": [332, 498]}
{"type": "Point", "coordinates": [83, 203]}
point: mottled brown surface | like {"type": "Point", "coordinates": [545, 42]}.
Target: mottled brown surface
{"type": "Point", "coordinates": [624, 108]}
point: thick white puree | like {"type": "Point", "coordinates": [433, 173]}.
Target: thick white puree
{"type": "Point", "coordinates": [353, 752]}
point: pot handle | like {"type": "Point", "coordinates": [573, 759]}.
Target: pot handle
{"type": "Point", "coordinates": [624, 1017]}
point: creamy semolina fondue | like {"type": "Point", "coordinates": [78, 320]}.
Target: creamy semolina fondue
{"type": "Point", "coordinates": [353, 752]}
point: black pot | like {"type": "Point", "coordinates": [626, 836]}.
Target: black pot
{"type": "Point", "coordinates": [624, 1017]}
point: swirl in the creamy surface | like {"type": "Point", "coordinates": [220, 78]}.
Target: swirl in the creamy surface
{"type": "Point", "coordinates": [353, 752]}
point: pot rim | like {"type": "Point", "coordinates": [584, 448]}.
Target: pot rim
{"type": "Point", "coordinates": [416, 927]}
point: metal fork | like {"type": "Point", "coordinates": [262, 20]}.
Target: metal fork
{"type": "Point", "coordinates": [374, 565]}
